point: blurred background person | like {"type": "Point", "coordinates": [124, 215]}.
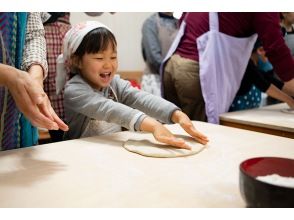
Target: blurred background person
{"type": "Point", "coordinates": [259, 77]}
{"type": "Point", "coordinates": [203, 70]}
{"type": "Point", "coordinates": [158, 33]}
{"type": "Point", "coordinates": [287, 25]}
{"type": "Point", "coordinates": [56, 24]}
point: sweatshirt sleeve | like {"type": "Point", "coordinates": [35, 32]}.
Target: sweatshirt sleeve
{"type": "Point", "coordinates": [151, 105]}
{"type": "Point", "coordinates": [81, 98]}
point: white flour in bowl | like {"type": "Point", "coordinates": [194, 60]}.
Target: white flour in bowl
{"type": "Point", "coordinates": [278, 180]}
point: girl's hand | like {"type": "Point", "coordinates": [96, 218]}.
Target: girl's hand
{"type": "Point", "coordinates": [184, 121]}
{"type": "Point", "coordinates": [162, 134]}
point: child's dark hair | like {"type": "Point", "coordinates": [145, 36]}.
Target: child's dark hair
{"type": "Point", "coordinates": [95, 41]}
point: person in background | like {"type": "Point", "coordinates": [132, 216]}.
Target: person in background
{"type": "Point", "coordinates": [23, 102]}
{"type": "Point", "coordinates": [98, 102]}
{"type": "Point", "coordinates": [158, 33]}
{"type": "Point", "coordinates": [258, 77]}
{"type": "Point", "coordinates": [203, 70]}
{"type": "Point", "coordinates": [56, 24]}
{"type": "Point", "coordinates": [287, 25]}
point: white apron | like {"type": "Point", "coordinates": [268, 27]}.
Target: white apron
{"type": "Point", "coordinates": [171, 51]}
{"type": "Point", "coordinates": [222, 60]}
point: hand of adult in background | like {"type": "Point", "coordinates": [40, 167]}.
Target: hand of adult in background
{"type": "Point", "coordinates": [162, 134]}
{"type": "Point", "coordinates": [30, 98]}
{"type": "Point", "coordinates": [185, 122]}
{"type": "Point", "coordinates": [290, 103]}
{"type": "Point", "coordinates": [289, 87]}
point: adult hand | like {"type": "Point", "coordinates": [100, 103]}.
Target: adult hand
{"type": "Point", "coordinates": [44, 105]}
{"type": "Point", "coordinates": [184, 121]}
{"type": "Point", "coordinates": [290, 103]}
{"type": "Point", "coordinates": [289, 87]}
{"type": "Point", "coordinates": [32, 101]}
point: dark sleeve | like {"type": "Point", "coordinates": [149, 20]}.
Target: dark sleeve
{"type": "Point", "coordinates": [269, 31]}
{"type": "Point", "coordinates": [246, 82]}
{"type": "Point", "coordinates": [270, 76]}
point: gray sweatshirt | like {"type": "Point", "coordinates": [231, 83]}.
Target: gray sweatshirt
{"type": "Point", "coordinates": [119, 104]}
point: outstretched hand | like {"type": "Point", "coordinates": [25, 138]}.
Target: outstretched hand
{"type": "Point", "coordinates": [162, 134]}
{"type": "Point", "coordinates": [184, 121]}
{"type": "Point", "coordinates": [33, 102]}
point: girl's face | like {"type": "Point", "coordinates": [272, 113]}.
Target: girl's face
{"type": "Point", "coordinates": [98, 69]}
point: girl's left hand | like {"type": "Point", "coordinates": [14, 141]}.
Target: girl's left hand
{"type": "Point", "coordinates": [184, 121]}
{"type": "Point", "coordinates": [162, 134]}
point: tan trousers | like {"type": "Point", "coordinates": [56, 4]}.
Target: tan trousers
{"type": "Point", "coordinates": [182, 86]}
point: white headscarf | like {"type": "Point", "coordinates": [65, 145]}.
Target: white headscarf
{"type": "Point", "coordinates": [71, 42]}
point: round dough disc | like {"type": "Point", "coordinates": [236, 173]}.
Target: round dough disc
{"type": "Point", "coordinates": [288, 110]}
{"type": "Point", "coordinates": [155, 149]}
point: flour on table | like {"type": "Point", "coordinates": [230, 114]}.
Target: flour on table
{"type": "Point", "coordinates": [151, 148]}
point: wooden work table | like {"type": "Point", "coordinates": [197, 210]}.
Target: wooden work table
{"type": "Point", "coordinates": [99, 172]}
{"type": "Point", "coordinates": [269, 119]}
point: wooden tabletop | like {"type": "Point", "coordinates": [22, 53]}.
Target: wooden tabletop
{"type": "Point", "coordinates": [99, 172]}
{"type": "Point", "coordinates": [269, 119]}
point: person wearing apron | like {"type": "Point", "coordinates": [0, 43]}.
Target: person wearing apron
{"type": "Point", "coordinates": [218, 47]}
{"type": "Point", "coordinates": [158, 33]}
{"type": "Point", "coordinates": [287, 24]}
{"type": "Point", "coordinates": [56, 24]}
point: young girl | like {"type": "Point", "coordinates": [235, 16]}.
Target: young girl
{"type": "Point", "coordinates": [97, 101]}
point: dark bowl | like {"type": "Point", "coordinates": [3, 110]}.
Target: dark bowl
{"type": "Point", "coordinates": [261, 194]}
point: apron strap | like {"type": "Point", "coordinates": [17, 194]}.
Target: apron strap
{"type": "Point", "coordinates": [213, 21]}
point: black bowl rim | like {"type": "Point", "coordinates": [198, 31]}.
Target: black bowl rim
{"type": "Point", "coordinates": [255, 179]}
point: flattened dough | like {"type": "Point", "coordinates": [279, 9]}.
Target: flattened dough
{"type": "Point", "coordinates": [288, 110]}
{"type": "Point", "coordinates": [151, 148]}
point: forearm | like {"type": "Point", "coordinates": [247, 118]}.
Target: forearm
{"type": "Point", "coordinates": [7, 74]}
{"type": "Point", "coordinates": [36, 72]}
{"type": "Point", "coordinates": [274, 92]}
{"type": "Point", "coordinates": [149, 124]}
{"type": "Point", "coordinates": [177, 115]}
{"type": "Point", "coordinates": [288, 87]}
